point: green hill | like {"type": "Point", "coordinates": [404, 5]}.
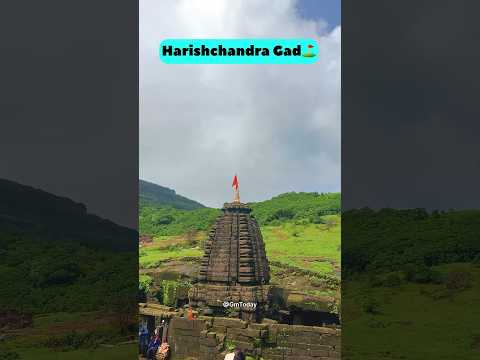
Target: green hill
{"type": "Point", "coordinates": [38, 214]}
{"type": "Point", "coordinates": [158, 196]}
{"type": "Point", "coordinates": [390, 240]}
{"type": "Point", "coordinates": [55, 256]}
{"type": "Point", "coordinates": [302, 208]}
{"type": "Point", "coordinates": [410, 280]}
{"type": "Point", "coordinates": [292, 206]}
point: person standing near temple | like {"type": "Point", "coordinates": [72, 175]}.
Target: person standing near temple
{"type": "Point", "coordinates": [143, 337]}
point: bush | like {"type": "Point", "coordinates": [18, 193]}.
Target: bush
{"type": "Point", "coordinates": [74, 340]}
{"type": "Point", "coordinates": [371, 306]}
{"type": "Point", "coordinates": [145, 282]}
{"type": "Point", "coordinates": [164, 220]}
{"type": "Point", "coordinates": [391, 280]}
{"type": "Point", "coordinates": [422, 274]}
{"type": "Point", "coordinates": [375, 280]}
{"type": "Point", "coordinates": [282, 214]}
{"type": "Point", "coordinates": [476, 259]}
{"type": "Point", "coordinates": [317, 219]}
{"type": "Point", "coordinates": [8, 355]}
{"type": "Point", "coordinates": [458, 280]}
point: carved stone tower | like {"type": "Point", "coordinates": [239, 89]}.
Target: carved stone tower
{"type": "Point", "coordinates": [234, 251]}
{"type": "Point", "coordinates": [234, 267]}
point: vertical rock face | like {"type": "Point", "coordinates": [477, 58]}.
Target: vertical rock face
{"type": "Point", "coordinates": [234, 251]}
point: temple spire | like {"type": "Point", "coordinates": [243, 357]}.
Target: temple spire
{"type": "Point", "coordinates": [236, 193]}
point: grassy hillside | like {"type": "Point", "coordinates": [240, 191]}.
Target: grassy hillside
{"type": "Point", "coordinates": [405, 319]}
{"type": "Point", "coordinates": [55, 257]}
{"type": "Point", "coordinates": [160, 221]}
{"type": "Point", "coordinates": [155, 195]}
{"type": "Point", "coordinates": [410, 285]}
{"type": "Point", "coordinates": [49, 276]}
{"type": "Point", "coordinates": [305, 207]}
{"type": "Point", "coordinates": [68, 336]}
{"type": "Point", "coordinates": [299, 208]}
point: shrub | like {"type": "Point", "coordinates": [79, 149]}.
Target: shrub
{"type": "Point", "coordinates": [74, 340]}
{"type": "Point", "coordinates": [391, 280]}
{"type": "Point", "coordinates": [145, 282]}
{"type": "Point", "coordinates": [8, 355]}
{"type": "Point", "coordinates": [371, 306]}
{"type": "Point", "coordinates": [317, 219]}
{"type": "Point", "coordinates": [375, 280]}
{"type": "Point", "coordinates": [458, 280]}
{"type": "Point", "coordinates": [422, 274]}
{"type": "Point", "coordinates": [476, 259]}
{"type": "Point", "coordinates": [282, 214]}
{"type": "Point", "coordinates": [164, 220]}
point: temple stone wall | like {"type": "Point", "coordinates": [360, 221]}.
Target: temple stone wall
{"type": "Point", "coordinates": [206, 338]}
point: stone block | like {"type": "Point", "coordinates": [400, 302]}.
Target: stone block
{"type": "Point", "coordinates": [208, 342]}
{"type": "Point", "coordinates": [219, 329]}
{"type": "Point", "coordinates": [258, 326]}
{"type": "Point", "coordinates": [320, 330]}
{"type": "Point", "coordinates": [181, 323]}
{"type": "Point", "coordinates": [330, 340]}
{"type": "Point", "coordinates": [320, 353]}
{"type": "Point", "coordinates": [244, 345]}
{"type": "Point", "coordinates": [317, 347]}
{"type": "Point", "coordinates": [184, 332]}
{"type": "Point", "coordinates": [335, 354]}
{"type": "Point", "coordinates": [230, 323]}
{"type": "Point", "coordinates": [249, 333]}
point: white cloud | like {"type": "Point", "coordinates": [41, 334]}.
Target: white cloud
{"type": "Point", "coordinates": [277, 126]}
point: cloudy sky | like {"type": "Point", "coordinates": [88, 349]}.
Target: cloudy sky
{"type": "Point", "coordinates": [276, 126]}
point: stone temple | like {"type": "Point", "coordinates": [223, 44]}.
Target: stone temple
{"type": "Point", "coordinates": [234, 268]}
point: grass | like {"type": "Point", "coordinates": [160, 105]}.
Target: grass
{"type": "Point", "coordinates": [166, 248]}
{"type": "Point", "coordinates": [30, 343]}
{"type": "Point", "coordinates": [153, 257]}
{"type": "Point", "coordinates": [312, 247]}
{"type": "Point", "coordinates": [119, 352]}
{"type": "Point", "coordinates": [411, 324]}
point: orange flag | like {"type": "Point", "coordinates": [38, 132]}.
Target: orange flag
{"type": "Point", "coordinates": [235, 182]}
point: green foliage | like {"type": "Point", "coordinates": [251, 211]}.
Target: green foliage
{"type": "Point", "coordinates": [172, 290]}
{"type": "Point", "coordinates": [229, 345]}
{"type": "Point", "coordinates": [145, 282]}
{"type": "Point", "coordinates": [161, 221]}
{"type": "Point", "coordinates": [295, 206]}
{"type": "Point", "coordinates": [389, 240]}
{"type": "Point", "coordinates": [79, 278]}
{"type": "Point", "coordinates": [8, 355]}
{"type": "Point", "coordinates": [459, 279]}
{"type": "Point", "coordinates": [422, 274]}
{"type": "Point", "coordinates": [75, 340]}
{"type": "Point", "coordinates": [387, 280]}
{"type": "Point", "coordinates": [371, 306]}
{"type": "Point", "coordinates": [153, 257]}
{"type": "Point", "coordinates": [415, 321]}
